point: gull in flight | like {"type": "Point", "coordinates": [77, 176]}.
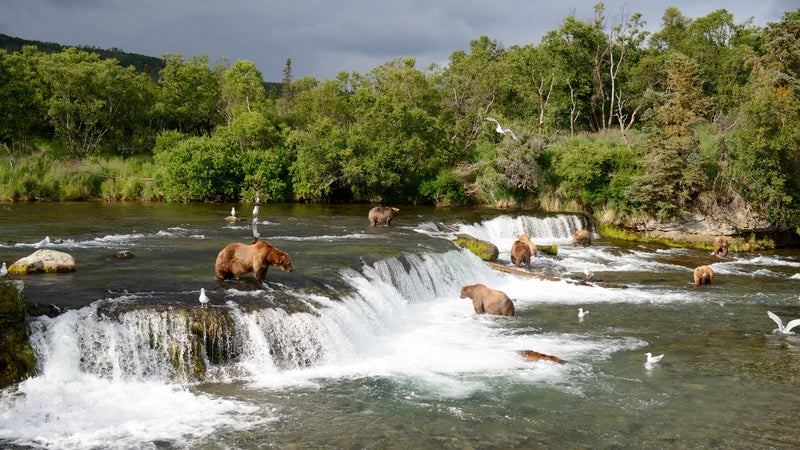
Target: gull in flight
{"type": "Point", "coordinates": [582, 313]}
{"type": "Point", "coordinates": [502, 130]}
{"type": "Point", "coordinates": [203, 298]}
{"type": "Point", "coordinates": [44, 242]}
{"type": "Point", "coordinates": [783, 329]}
{"type": "Point", "coordinates": [653, 359]}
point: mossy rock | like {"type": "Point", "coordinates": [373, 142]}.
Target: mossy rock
{"type": "Point", "coordinates": [17, 359]}
{"type": "Point", "coordinates": [483, 249]}
{"type": "Point", "coordinates": [44, 261]}
{"type": "Point", "coordinates": [550, 249]}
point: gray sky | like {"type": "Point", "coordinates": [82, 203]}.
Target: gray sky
{"type": "Point", "coordinates": [324, 37]}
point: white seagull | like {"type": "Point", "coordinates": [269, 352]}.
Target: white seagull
{"type": "Point", "coordinates": [502, 130]}
{"type": "Point", "coordinates": [783, 329]}
{"type": "Point", "coordinates": [203, 298]}
{"type": "Point", "coordinates": [582, 313]}
{"type": "Point", "coordinates": [255, 210]}
{"type": "Point", "coordinates": [44, 242]}
{"type": "Point", "coordinates": [653, 359]}
{"type": "Point", "coordinates": [3, 270]}
{"type": "Point", "coordinates": [255, 228]}
{"type": "Point", "coordinates": [233, 214]}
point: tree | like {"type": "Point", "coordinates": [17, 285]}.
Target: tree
{"type": "Point", "coordinates": [673, 173]}
{"type": "Point", "coordinates": [22, 94]}
{"type": "Point", "coordinates": [766, 146]}
{"type": "Point", "coordinates": [189, 94]}
{"type": "Point", "coordinates": [91, 99]}
{"type": "Point", "coordinates": [241, 90]}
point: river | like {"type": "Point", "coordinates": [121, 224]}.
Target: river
{"type": "Point", "coordinates": [366, 344]}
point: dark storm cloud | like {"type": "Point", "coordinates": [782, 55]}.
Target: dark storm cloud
{"type": "Point", "coordinates": [322, 37]}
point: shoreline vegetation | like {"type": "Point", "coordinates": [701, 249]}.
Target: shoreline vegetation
{"type": "Point", "coordinates": [671, 137]}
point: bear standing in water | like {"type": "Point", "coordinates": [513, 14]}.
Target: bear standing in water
{"type": "Point", "coordinates": [382, 214]}
{"type": "Point", "coordinates": [489, 301]}
{"type": "Point", "coordinates": [238, 259]}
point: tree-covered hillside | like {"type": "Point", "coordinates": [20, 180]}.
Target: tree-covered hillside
{"type": "Point", "coordinates": [605, 117]}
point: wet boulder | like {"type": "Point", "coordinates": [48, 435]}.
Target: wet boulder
{"type": "Point", "coordinates": [483, 249]}
{"type": "Point", "coordinates": [17, 360]}
{"type": "Point", "coordinates": [44, 261]}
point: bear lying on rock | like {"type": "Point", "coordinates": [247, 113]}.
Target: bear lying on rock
{"type": "Point", "coordinates": [238, 259]}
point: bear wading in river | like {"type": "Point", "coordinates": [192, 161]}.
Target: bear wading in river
{"type": "Point", "coordinates": [382, 214]}
{"type": "Point", "coordinates": [489, 301]}
{"type": "Point", "coordinates": [703, 275]}
{"type": "Point", "coordinates": [238, 259]}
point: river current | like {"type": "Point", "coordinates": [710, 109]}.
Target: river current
{"type": "Point", "coordinates": [366, 344]}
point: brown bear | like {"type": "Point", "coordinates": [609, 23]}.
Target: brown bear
{"type": "Point", "coordinates": [238, 259]}
{"type": "Point", "coordinates": [536, 356]}
{"type": "Point", "coordinates": [382, 214]}
{"type": "Point", "coordinates": [527, 241]}
{"type": "Point", "coordinates": [582, 238]}
{"type": "Point", "coordinates": [488, 301]}
{"type": "Point", "coordinates": [721, 244]}
{"type": "Point", "coordinates": [703, 275]}
{"type": "Point", "coordinates": [520, 254]}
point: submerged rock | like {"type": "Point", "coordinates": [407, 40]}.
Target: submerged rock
{"type": "Point", "coordinates": [44, 261]}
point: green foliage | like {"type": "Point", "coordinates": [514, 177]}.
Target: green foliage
{"type": "Point", "coordinates": [673, 168]}
{"type": "Point", "coordinates": [594, 173]}
{"type": "Point", "coordinates": [265, 174]}
{"type": "Point", "coordinates": [200, 168]}
{"type": "Point", "coordinates": [445, 190]}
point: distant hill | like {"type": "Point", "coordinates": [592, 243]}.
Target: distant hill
{"type": "Point", "coordinates": [142, 63]}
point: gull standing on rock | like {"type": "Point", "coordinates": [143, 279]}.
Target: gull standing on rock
{"type": "Point", "coordinates": [233, 214]}
{"type": "Point", "coordinates": [502, 130]}
{"type": "Point", "coordinates": [44, 242]}
{"type": "Point", "coordinates": [203, 298]}
{"type": "Point", "coordinates": [3, 270]}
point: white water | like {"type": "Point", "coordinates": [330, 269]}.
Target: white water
{"type": "Point", "coordinates": [104, 380]}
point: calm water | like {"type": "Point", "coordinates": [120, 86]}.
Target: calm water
{"type": "Point", "coordinates": [367, 345]}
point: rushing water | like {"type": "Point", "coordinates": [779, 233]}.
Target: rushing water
{"type": "Point", "coordinates": [368, 345]}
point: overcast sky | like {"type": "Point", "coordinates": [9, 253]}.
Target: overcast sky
{"type": "Point", "coordinates": [324, 37]}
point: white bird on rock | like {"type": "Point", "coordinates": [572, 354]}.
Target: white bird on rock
{"type": "Point", "coordinates": [44, 242]}
{"type": "Point", "coordinates": [653, 359]}
{"type": "Point", "coordinates": [233, 214]}
{"type": "Point", "coordinates": [3, 270]}
{"type": "Point", "coordinates": [502, 130]}
{"type": "Point", "coordinates": [203, 298]}
{"type": "Point", "coordinates": [783, 329]}
{"type": "Point", "coordinates": [582, 313]}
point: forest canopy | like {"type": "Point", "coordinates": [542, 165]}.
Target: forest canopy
{"type": "Point", "coordinates": [603, 116]}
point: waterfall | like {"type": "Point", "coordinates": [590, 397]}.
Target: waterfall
{"type": "Point", "coordinates": [504, 229]}
{"type": "Point", "coordinates": [123, 341]}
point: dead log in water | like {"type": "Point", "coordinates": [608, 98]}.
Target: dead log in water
{"type": "Point", "coordinates": [586, 282]}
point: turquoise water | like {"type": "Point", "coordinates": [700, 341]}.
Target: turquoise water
{"type": "Point", "coordinates": [368, 345]}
